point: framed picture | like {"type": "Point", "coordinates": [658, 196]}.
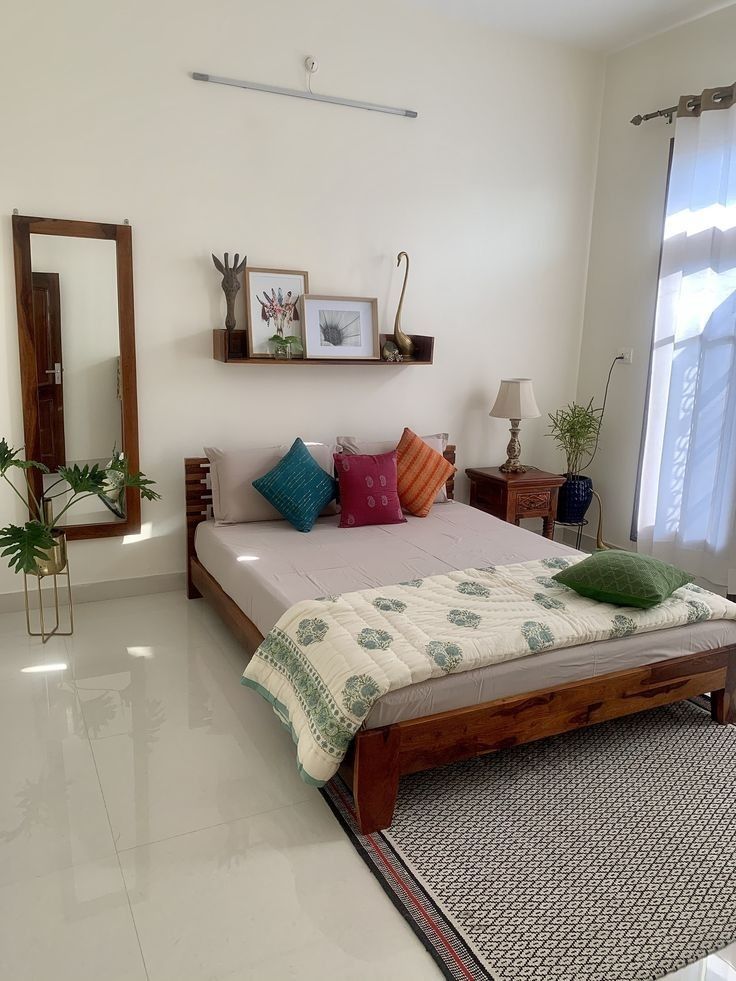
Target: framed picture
{"type": "Point", "coordinates": [272, 304]}
{"type": "Point", "coordinates": [340, 327]}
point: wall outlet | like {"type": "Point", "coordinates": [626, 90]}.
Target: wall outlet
{"type": "Point", "coordinates": [626, 354]}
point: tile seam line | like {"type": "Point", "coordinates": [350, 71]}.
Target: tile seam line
{"type": "Point", "coordinates": [210, 827]}
{"type": "Point", "coordinates": [114, 844]}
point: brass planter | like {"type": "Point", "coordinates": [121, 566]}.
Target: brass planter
{"type": "Point", "coordinates": [54, 562]}
{"type": "Point", "coordinates": [55, 558]}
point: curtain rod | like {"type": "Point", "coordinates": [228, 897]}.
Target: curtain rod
{"type": "Point", "coordinates": [296, 94]}
{"type": "Point", "coordinates": [723, 97]}
{"type": "Point", "coordinates": [667, 113]}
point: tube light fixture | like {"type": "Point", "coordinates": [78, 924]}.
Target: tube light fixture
{"type": "Point", "coordinates": [296, 94]}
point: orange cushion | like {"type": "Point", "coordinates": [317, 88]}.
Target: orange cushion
{"type": "Point", "coordinates": [421, 473]}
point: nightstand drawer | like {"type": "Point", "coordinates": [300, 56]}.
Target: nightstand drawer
{"type": "Point", "coordinates": [488, 497]}
{"type": "Point", "coordinates": [533, 502]}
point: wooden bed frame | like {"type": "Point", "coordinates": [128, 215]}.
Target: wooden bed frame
{"type": "Point", "coordinates": [379, 757]}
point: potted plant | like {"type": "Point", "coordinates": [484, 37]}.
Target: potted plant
{"type": "Point", "coordinates": [38, 547]}
{"type": "Point", "coordinates": [576, 429]}
{"type": "Point", "coordinates": [284, 347]}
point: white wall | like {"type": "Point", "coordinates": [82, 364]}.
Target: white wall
{"type": "Point", "coordinates": [489, 190]}
{"type": "Point", "coordinates": [627, 229]}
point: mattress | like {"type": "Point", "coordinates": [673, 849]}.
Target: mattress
{"type": "Point", "coordinates": [267, 566]}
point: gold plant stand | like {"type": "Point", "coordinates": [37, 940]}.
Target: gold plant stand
{"type": "Point", "coordinates": [55, 566]}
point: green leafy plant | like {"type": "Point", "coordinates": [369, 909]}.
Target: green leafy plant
{"type": "Point", "coordinates": [283, 344]}
{"type": "Point", "coordinates": [576, 429]}
{"type": "Point", "coordinates": [25, 545]}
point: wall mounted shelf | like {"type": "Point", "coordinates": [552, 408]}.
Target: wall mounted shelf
{"type": "Point", "coordinates": [231, 349]}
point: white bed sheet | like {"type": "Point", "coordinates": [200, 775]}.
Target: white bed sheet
{"type": "Point", "coordinates": [267, 566]}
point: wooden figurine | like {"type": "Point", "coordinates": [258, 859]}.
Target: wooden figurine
{"type": "Point", "coordinates": [230, 284]}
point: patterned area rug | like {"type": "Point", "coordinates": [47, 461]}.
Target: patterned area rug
{"type": "Point", "coordinates": [608, 854]}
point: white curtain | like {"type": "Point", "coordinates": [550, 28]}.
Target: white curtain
{"type": "Point", "coordinates": [687, 495]}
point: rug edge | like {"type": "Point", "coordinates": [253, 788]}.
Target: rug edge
{"type": "Point", "coordinates": [474, 969]}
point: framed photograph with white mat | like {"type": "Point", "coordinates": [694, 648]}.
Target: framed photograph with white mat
{"type": "Point", "coordinates": [273, 306]}
{"type": "Point", "coordinates": [341, 327]}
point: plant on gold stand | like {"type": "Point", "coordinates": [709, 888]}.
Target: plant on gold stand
{"type": "Point", "coordinates": [38, 547]}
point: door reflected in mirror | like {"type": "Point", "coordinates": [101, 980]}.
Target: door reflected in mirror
{"type": "Point", "coordinates": [77, 345]}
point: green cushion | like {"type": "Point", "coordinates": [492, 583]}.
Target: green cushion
{"type": "Point", "coordinates": [623, 578]}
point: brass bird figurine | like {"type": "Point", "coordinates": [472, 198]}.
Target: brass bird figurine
{"type": "Point", "coordinates": [403, 342]}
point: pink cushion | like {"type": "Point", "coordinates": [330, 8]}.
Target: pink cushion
{"type": "Point", "coordinates": [368, 494]}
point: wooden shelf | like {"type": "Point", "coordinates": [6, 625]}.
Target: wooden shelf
{"type": "Point", "coordinates": [230, 347]}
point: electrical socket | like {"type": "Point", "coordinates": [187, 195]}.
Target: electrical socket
{"type": "Point", "coordinates": [626, 354]}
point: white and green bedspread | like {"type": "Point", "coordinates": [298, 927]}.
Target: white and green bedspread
{"type": "Point", "coordinates": [327, 661]}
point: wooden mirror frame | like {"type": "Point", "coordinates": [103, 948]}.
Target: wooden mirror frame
{"type": "Point", "coordinates": [23, 227]}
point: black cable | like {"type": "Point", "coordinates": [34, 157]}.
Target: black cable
{"type": "Point", "coordinates": [619, 357]}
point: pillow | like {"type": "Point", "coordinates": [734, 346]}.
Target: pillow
{"type": "Point", "coordinates": [321, 453]}
{"type": "Point", "coordinates": [421, 473]}
{"type": "Point", "coordinates": [234, 499]}
{"type": "Point", "coordinates": [231, 474]}
{"type": "Point", "coordinates": [368, 492]}
{"type": "Point", "coordinates": [623, 578]}
{"type": "Point", "coordinates": [297, 487]}
{"type": "Point", "coordinates": [351, 444]}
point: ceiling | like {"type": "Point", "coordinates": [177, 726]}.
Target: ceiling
{"type": "Point", "coordinates": [602, 25]}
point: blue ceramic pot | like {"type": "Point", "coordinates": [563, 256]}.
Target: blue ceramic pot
{"type": "Point", "coordinates": [574, 499]}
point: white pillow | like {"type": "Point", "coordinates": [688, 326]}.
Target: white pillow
{"type": "Point", "coordinates": [232, 472]}
{"type": "Point", "coordinates": [321, 453]}
{"type": "Point", "coordinates": [354, 445]}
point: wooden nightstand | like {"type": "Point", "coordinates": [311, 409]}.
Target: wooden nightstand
{"type": "Point", "coordinates": [512, 496]}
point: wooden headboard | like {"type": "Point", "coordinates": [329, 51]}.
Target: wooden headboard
{"type": "Point", "coordinates": [199, 499]}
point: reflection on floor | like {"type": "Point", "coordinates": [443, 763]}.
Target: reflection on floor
{"type": "Point", "coordinates": [153, 826]}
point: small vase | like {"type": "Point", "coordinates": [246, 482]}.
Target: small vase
{"type": "Point", "coordinates": [47, 511]}
{"type": "Point", "coordinates": [574, 499]}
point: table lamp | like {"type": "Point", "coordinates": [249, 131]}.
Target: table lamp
{"type": "Point", "coordinates": [515, 401]}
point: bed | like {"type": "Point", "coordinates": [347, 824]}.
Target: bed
{"type": "Point", "coordinates": [253, 573]}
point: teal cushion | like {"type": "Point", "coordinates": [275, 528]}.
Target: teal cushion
{"type": "Point", "coordinates": [623, 578]}
{"type": "Point", "coordinates": [297, 487]}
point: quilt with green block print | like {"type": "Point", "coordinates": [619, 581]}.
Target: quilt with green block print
{"type": "Point", "coordinates": [327, 661]}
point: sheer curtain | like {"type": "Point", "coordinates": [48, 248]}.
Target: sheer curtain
{"type": "Point", "coordinates": [687, 495]}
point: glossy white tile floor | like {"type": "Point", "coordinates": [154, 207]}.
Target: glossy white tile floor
{"type": "Point", "coordinates": [152, 825]}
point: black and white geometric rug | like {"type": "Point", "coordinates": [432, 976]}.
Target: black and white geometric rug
{"type": "Point", "coordinates": [607, 854]}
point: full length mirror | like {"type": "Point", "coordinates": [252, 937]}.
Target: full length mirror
{"type": "Point", "coordinates": [77, 351]}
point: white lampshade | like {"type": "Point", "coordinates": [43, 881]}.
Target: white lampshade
{"type": "Point", "coordinates": [515, 400]}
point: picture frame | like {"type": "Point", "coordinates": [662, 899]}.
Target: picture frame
{"type": "Point", "coordinates": [340, 327]}
{"type": "Point", "coordinates": [262, 283]}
